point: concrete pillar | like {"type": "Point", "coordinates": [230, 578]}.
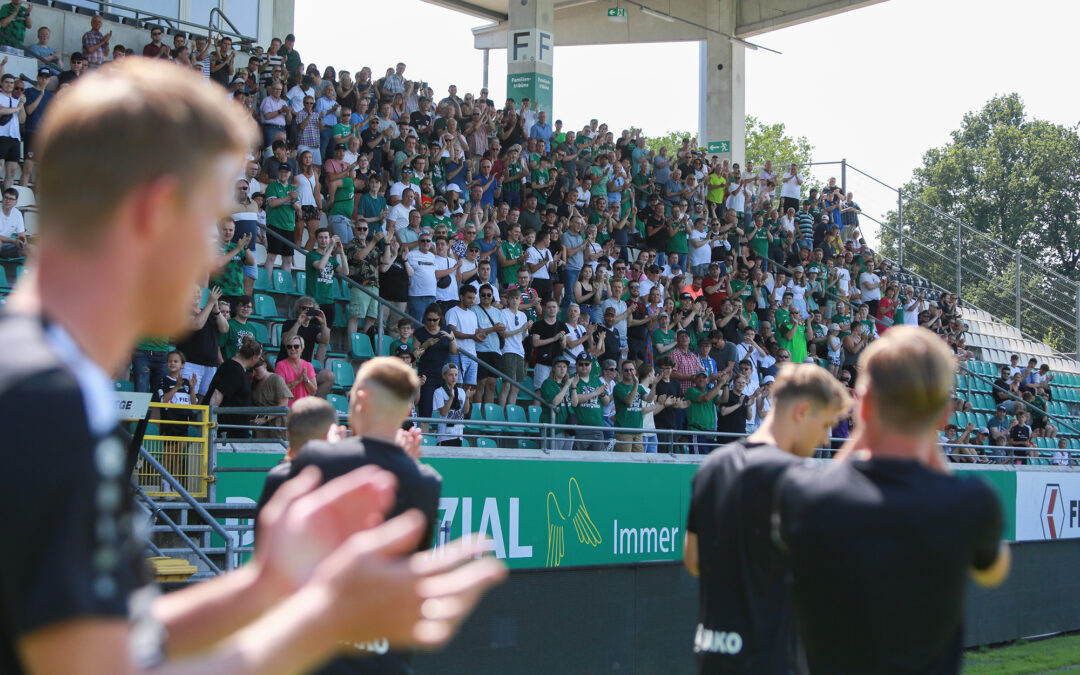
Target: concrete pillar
{"type": "Point", "coordinates": [281, 23]}
{"type": "Point", "coordinates": [530, 46]}
{"type": "Point", "coordinates": [722, 98]}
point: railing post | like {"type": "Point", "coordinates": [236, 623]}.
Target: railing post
{"type": "Point", "coordinates": [487, 61]}
{"type": "Point", "coordinates": [900, 226]}
{"type": "Point", "coordinates": [959, 258]}
{"type": "Point", "coordinates": [843, 176]}
{"type": "Point", "coordinates": [1019, 289]}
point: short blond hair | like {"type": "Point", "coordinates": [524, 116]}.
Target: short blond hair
{"type": "Point", "coordinates": [909, 374]}
{"type": "Point", "coordinates": [308, 420]}
{"type": "Point", "coordinates": [811, 383]}
{"type": "Point", "coordinates": [124, 127]}
{"type": "Point", "coordinates": [390, 374]}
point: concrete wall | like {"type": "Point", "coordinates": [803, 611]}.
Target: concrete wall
{"type": "Point", "coordinates": [68, 28]}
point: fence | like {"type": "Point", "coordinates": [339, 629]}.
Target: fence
{"type": "Point", "coordinates": [959, 258]}
{"type": "Point", "coordinates": [181, 447]}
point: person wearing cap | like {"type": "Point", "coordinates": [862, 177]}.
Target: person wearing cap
{"type": "Point", "coordinates": [631, 396]}
{"type": "Point", "coordinates": [588, 396]}
{"type": "Point", "coordinates": [282, 210]}
{"type": "Point", "coordinates": [556, 391]}
{"type": "Point", "coordinates": [38, 98]}
{"type": "Point", "coordinates": [452, 403]}
{"type": "Point", "coordinates": [439, 216]}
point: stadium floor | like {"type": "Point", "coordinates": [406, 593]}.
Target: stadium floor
{"type": "Point", "coordinates": [1060, 654]}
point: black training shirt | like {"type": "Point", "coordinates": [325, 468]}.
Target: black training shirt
{"type": "Point", "coordinates": [418, 487]}
{"type": "Point", "coordinates": [744, 617]}
{"type": "Point", "coordinates": [69, 548]}
{"type": "Point", "coordinates": [881, 553]}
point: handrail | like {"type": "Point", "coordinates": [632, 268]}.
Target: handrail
{"type": "Point", "coordinates": [186, 496]}
{"type": "Point", "coordinates": [142, 15]}
{"type": "Point", "coordinates": [215, 11]}
{"type": "Point", "coordinates": [1031, 409]}
{"type": "Point", "coordinates": [397, 312]}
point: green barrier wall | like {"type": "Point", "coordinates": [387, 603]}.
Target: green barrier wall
{"type": "Point", "coordinates": [558, 513]}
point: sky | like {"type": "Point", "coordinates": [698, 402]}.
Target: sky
{"type": "Point", "coordinates": [878, 86]}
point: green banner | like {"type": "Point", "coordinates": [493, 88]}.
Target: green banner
{"type": "Point", "coordinates": [534, 86]}
{"type": "Point", "coordinates": [555, 513]}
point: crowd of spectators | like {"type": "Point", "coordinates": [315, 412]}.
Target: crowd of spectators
{"type": "Point", "coordinates": [642, 288]}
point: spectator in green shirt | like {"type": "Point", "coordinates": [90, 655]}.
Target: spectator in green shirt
{"type": "Point", "coordinates": [328, 257]}
{"type": "Point", "coordinates": [234, 255]}
{"type": "Point", "coordinates": [282, 209]}
{"type": "Point", "coordinates": [239, 327]}
{"type": "Point", "coordinates": [630, 397]}
{"type": "Point", "coordinates": [701, 413]}
{"type": "Point", "coordinates": [556, 391]}
{"type": "Point", "coordinates": [14, 20]}
{"type": "Point", "coordinates": [588, 395]}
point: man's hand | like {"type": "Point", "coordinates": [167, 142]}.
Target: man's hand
{"type": "Point", "coordinates": [410, 441]}
{"type": "Point", "coordinates": [215, 294]}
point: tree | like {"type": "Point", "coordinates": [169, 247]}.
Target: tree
{"type": "Point", "coordinates": [763, 142]}
{"type": "Point", "coordinates": [1005, 182]}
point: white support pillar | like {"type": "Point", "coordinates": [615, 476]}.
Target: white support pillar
{"type": "Point", "coordinates": [530, 47]}
{"type": "Point", "coordinates": [722, 98]}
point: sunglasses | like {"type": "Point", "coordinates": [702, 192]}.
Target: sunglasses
{"type": "Point", "coordinates": [292, 347]}
{"type": "Point", "coordinates": [358, 228]}
{"type": "Point", "coordinates": [486, 295]}
{"type": "Point", "coordinates": [585, 364]}
{"type": "Point", "coordinates": [425, 241]}
{"type": "Point", "coordinates": [242, 187]}
{"type": "Point", "coordinates": [629, 370]}
{"type": "Point", "coordinates": [431, 318]}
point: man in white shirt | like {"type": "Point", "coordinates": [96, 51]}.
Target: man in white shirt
{"type": "Point", "coordinates": [274, 113]}
{"type": "Point", "coordinates": [462, 320]}
{"type": "Point", "coordinates": [13, 243]}
{"type": "Point", "coordinates": [870, 286]}
{"type": "Point", "coordinates": [767, 174]}
{"type": "Point", "coordinates": [422, 283]}
{"type": "Point", "coordinates": [791, 189]}
{"type": "Point", "coordinates": [14, 108]}
{"type": "Point", "coordinates": [399, 213]}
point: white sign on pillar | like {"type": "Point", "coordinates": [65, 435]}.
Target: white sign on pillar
{"type": "Point", "coordinates": [529, 46]}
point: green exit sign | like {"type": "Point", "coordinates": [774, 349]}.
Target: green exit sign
{"type": "Point", "coordinates": [719, 147]}
{"type": "Point", "coordinates": [616, 14]}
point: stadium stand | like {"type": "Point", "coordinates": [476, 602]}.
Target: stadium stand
{"type": "Point", "coordinates": [663, 259]}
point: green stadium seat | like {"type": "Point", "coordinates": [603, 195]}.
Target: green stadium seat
{"type": "Point", "coordinates": [283, 282]}
{"type": "Point", "coordinates": [961, 384]}
{"type": "Point", "coordinates": [265, 308]}
{"type": "Point", "coordinates": [361, 346]}
{"type": "Point", "coordinates": [317, 364]}
{"type": "Point", "coordinates": [536, 414]}
{"type": "Point", "coordinates": [475, 424]}
{"type": "Point", "coordinates": [340, 403]}
{"type": "Point", "coordinates": [301, 282]}
{"type": "Point", "coordinates": [524, 387]}
{"type": "Point", "coordinates": [387, 340]}
{"type": "Point", "coordinates": [341, 290]}
{"type": "Point", "coordinates": [515, 413]}
{"type": "Point", "coordinates": [483, 442]}
{"type": "Point", "coordinates": [340, 320]}
{"type": "Point", "coordinates": [261, 334]}
{"type": "Point", "coordinates": [428, 439]}
{"type": "Point", "coordinates": [275, 334]}
{"type": "Point", "coordinates": [494, 413]}
{"type": "Point", "coordinates": [124, 385]}
{"type": "Point", "coordinates": [527, 445]}
{"type": "Point", "coordinates": [343, 374]}
{"type": "Point", "coordinates": [262, 280]}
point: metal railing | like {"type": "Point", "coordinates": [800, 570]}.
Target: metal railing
{"type": "Point", "coordinates": [185, 457]}
{"type": "Point", "coordinates": [958, 258]}
{"type": "Point", "coordinates": [142, 16]}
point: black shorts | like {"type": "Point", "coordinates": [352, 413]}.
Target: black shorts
{"type": "Point", "coordinates": [309, 213]}
{"type": "Point", "coordinates": [543, 288]}
{"type": "Point", "coordinates": [275, 246]}
{"type": "Point", "coordinates": [635, 349]}
{"type": "Point", "coordinates": [9, 149]}
{"type": "Point", "coordinates": [492, 359]}
{"type": "Point", "coordinates": [28, 143]}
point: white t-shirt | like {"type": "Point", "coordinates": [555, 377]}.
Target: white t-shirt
{"type": "Point", "coordinates": [296, 97]}
{"type": "Point", "coordinates": [574, 332]}
{"type": "Point", "coordinates": [399, 215]}
{"type": "Point", "coordinates": [438, 400]}
{"type": "Point", "coordinates": [422, 282]}
{"type": "Point", "coordinates": [513, 321]}
{"type": "Point", "coordinates": [843, 280]}
{"type": "Point", "coordinates": [11, 224]}
{"type": "Point", "coordinates": [535, 256]}
{"type": "Point", "coordinates": [699, 255]}
{"type": "Point", "coordinates": [397, 188]}
{"type": "Point", "coordinates": [763, 180]}
{"type": "Point", "coordinates": [736, 201]}
{"type": "Point", "coordinates": [464, 321]}
{"type": "Point", "coordinates": [451, 291]}
{"type": "Point", "coordinates": [867, 278]}
{"type": "Point", "coordinates": [790, 188]}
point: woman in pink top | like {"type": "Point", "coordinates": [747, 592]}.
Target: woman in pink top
{"type": "Point", "coordinates": [299, 375]}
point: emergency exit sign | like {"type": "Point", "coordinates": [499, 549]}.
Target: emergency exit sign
{"type": "Point", "coordinates": [719, 147]}
{"type": "Point", "coordinates": [616, 14]}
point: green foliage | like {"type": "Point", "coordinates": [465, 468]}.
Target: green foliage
{"type": "Point", "coordinates": [1009, 182]}
{"type": "Point", "coordinates": [771, 142]}
{"type": "Point", "coordinates": [763, 142]}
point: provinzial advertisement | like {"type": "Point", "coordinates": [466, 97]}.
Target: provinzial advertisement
{"type": "Point", "coordinates": [558, 513]}
{"type": "Point", "coordinates": [1047, 505]}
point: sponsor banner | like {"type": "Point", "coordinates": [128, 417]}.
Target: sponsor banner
{"type": "Point", "coordinates": [555, 513]}
{"type": "Point", "coordinates": [1047, 505]}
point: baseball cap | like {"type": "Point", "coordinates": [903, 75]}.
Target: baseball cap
{"type": "Point", "coordinates": [564, 359]}
{"type": "Point", "coordinates": [440, 198]}
{"type": "Point", "coordinates": [767, 379]}
{"type": "Point", "coordinates": [982, 430]}
{"type": "Point", "coordinates": [284, 167]}
{"type": "Point", "coordinates": [1001, 407]}
{"type": "Point", "coordinates": [340, 146]}
{"type": "Point", "coordinates": [44, 71]}
{"type": "Point", "coordinates": [402, 349]}
{"type": "Point", "coordinates": [453, 187]}
{"type": "Point", "coordinates": [833, 326]}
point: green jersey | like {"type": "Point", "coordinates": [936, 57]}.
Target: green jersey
{"type": "Point", "coordinates": [629, 414]}
{"type": "Point", "coordinates": [282, 217]}
{"type": "Point", "coordinates": [231, 278]}
{"type": "Point", "coordinates": [549, 390]}
{"type": "Point", "coordinates": [508, 273]}
{"type": "Point", "coordinates": [431, 221]}
{"type": "Point", "coordinates": [320, 283]}
{"type": "Point", "coordinates": [235, 337]}
{"type": "Point", "coordinates": [590, 413]}
{"type": "Point", "coordinates": [700, 414]}
{"type": "Point", "coordinates": [343, 198]}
